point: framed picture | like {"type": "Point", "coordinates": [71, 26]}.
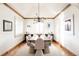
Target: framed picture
{"type": "Point", "coordinates": [7, 25]}
{"type": "Point", "coordinates": [28, 26]}
{"type": "Point", "coordinates": [69, 25]}
{"type": "Point", "coordinates": [48, 25]}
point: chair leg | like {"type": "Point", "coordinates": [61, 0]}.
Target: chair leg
{"type": "Point", "coordinates": [32, 50]}
{"type": "Point", "coordinates": [46, 50]}
{"type": "Point", "coordinates": [39, 52]}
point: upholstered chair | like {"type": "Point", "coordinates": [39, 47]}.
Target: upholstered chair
{"type": "Point", "coordinates": [39, 52]}
{"type": "Point", "coordinates": [46, 48]}
{"type": "Point", "coordinates": [39, 46]}
{"type": "Point", "coordinates": [31, 45]}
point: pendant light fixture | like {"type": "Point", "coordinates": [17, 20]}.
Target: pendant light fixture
{"type": "Point", "coordinates": [38, 13]}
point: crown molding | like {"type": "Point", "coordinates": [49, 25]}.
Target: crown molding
{"type": "Point", "coordinates": [7, 5]}
{"type": "Point", "coordinates": [13, 10]}
{"type": "Point", "coordinates": [62, 11]}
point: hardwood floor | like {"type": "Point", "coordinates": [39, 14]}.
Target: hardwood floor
{"type": "Point", "coordinates": [55, 50]}
{"type": "Point", "coordinates": [63, 49]}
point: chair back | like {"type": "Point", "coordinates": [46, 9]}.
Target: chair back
{"type": "Point", "coordinates": [39, 43]}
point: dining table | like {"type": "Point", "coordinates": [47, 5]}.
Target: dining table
{"type": "Point", "coordinates": [35, 37]}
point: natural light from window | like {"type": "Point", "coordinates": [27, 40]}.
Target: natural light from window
{"type": "Point", "coordinates": [18, 27]}
{"type": "Point", "coordinates": [39, 27]}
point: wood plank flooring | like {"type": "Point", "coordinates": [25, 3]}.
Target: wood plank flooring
{"type": "Point", "coordinates": [55, 50]}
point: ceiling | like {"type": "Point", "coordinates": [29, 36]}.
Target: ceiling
{"type": "Point", "coordinates": [29, 10]}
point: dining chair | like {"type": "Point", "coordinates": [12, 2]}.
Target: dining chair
{"type": "Point", "coordinates": [31, 45]}
{"type": "Point", "coordinates": [39, 46]}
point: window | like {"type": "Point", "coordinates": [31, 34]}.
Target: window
{"type": "Point", "coordinates": [18, 27]}
{"type": "Point", "coordinates": [39, 27]}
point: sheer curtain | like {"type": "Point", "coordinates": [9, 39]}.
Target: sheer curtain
{"type": "Point", "coordinates": [18, 27]}
{"type": "Point", "coordinates": [39, 28]}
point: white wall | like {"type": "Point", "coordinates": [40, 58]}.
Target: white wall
{"type": "Point", "coordinates": [8, 39]}
{"type": "Point", "coordinates": [32, 28]}
{"type": "Point", "coordinates": [66, 38]}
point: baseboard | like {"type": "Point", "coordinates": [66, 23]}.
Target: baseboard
{"type": "Point", "coordinates": [57, 42]}
{"type": "Point", "coordinates": [64, 47]}
{"type": "Point", "coordinates": [11, 48]}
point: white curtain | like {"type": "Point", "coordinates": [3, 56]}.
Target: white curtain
{"type": "Point", "coordinates": [39, 27]}
{"type": "Point", "coordinates": [18, 27]}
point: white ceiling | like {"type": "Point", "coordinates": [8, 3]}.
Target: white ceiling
{"type": "Point", "coordinates": [46, 9]}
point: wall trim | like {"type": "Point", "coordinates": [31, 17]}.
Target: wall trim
{"type": "Point", "coordinates": [23, 40]}
{"type": "Point", "coordinates": [73, 54]}
{"type": "Point", "coordinates": [13, 10]}
{"type": "Point", "coordinates": [7, 5]}
{"type": "Point", "coordinates": [62, 10]}
{"type": "Point", "coordinates": [12, 48]}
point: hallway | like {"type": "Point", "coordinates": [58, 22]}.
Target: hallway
{"type": "Point", "coordinates": [55, 50]}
